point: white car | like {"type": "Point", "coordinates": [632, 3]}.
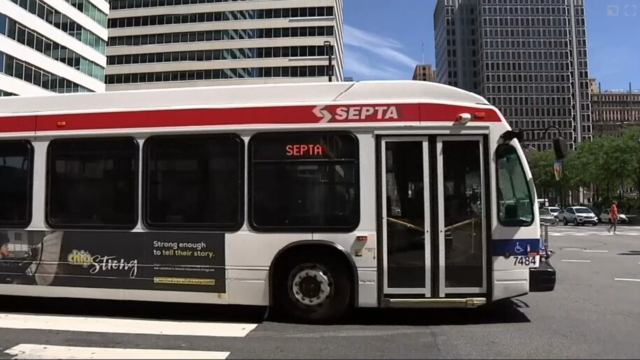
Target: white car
{"type": "Point", "coordinates": [547, 217]}
{"type": "Point", "coordinates": [578, 215]}
{"type": "Point", "coordinates": [553, 210]}
{"type": "Point", "coordinates": [606, 217]}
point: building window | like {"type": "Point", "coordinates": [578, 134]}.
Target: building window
{"type": "Point", "coordinates": [304, 181]}
{"type": "Point", "coordinates": [16, 180]}
{"type": "Point", "coordinates": [16, 31]}
{"type": "Point", "coordinates": [222, 54]}
{"type": "Point", "coordinates": [219, 74]}
{"type": "Point", "coordinates": [36, 76]}
{"type": "Point", "coordinates": [92, 183]}
{"type": "Point", "coordinates": [238, 15]}
{"type": "Point", "coordinates": [64, 23]}
{"type": "Point", "coordinates": [221, 35]}
{"type": "Point", "coordinates": [194, 182]}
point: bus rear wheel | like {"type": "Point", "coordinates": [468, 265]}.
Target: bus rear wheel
{"type": "Point", "coordinates": [313, 289]}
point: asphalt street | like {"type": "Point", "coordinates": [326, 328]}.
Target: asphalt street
{"type": "Point", "coordinates": [593, 313]}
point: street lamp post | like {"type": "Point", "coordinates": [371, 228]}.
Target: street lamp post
{"type": "Point", "coordinates": [328, 48]}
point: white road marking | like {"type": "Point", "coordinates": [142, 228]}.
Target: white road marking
{"type": "Point", "coordinates": [124, 326]}
{"type": "Point", "coordinates": [578, 261]}
{"type": "Point", "coordinates": [595, 251]}
{"type": "Point", "coordinates": [622, 279]}
{"type": "Point", "coordinates": [572, 249]}
{"type": "Point", "coordinates": [591, 233]}
{"type": "Point", "coordinates": [34, 351]}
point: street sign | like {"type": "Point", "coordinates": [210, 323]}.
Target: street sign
{"type": "Point", "coordinates": [557, 168]}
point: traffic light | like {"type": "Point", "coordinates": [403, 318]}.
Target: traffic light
{"type": "Point", "coordinates": [560, 147]}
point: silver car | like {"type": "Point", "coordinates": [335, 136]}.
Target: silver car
{"type": "Point", "coordinates": [547, 217]}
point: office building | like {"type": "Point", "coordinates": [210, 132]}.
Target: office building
{"type": "Point", "coordinates": [424, 72]}
{"type": "Point", "coordinates": [184, 43]}
{"type": "Point", "coordinates": [527, 57]}
{"type": "Point", "coordinates": [52, 46]}
{"type": "Point", "coordinates": [614, 109]}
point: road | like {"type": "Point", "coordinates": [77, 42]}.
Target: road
{"type": "Point", "coordinates": [593, 313]}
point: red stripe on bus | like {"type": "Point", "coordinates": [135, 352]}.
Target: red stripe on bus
{"type": "Point", "coordinates": [242, 116]}
{"type": "Point", "coordinates": [18, 124]}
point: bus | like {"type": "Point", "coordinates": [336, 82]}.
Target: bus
{"type": "Point", "coordinates": [309, 199]}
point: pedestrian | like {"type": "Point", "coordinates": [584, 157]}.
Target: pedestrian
{"type": "Point", "coordinates": [614, 217]}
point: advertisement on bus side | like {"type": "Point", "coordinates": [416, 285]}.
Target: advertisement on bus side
{"type": "Point", "coordinates": [115, 260]}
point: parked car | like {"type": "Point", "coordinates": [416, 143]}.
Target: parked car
{"type": "Point", "coordinates": [554, 210]}
{"type": "Point", "coordinates": [547, 217]}
{"type": "Point", "coordinates": [595, 211]}
{"type": "Point", "coordinates": [605, 216]}
{"type": "Point", "coordinates": [578, 215]}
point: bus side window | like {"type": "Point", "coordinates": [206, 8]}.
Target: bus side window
{"type": "Point", "coordinates": [92, 183]}
{"type": "Point", "coordinates": [194, 181]}
{"type": "Point", "coordinates": [16, 181]}
{"type": "Point", "coordinates": [304, 181]}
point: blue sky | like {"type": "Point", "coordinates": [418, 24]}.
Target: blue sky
{"type": "Point", "coordinates": [383, 39]}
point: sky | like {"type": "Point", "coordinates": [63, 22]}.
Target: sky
{"type": "Point", "coordinates": [383, 39]}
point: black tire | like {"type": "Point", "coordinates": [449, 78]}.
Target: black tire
{"type": "Point", "coordinates": [595, 224]}
{"type": "Point", "coordinates": [565, 222]}
{"type": "Point", "coordinates": [575, 222]}
{"type": "Point", "coordinates": [338, 300]}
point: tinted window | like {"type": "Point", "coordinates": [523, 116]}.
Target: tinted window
{"type": "Point", "coordinates": [583, 211]}
{"type": "Point", "coordinates": [304, 181]}
{"type": "Point", "coordinates": [514, 194]}
{"type": "Point", "coordinates": [16, 159]}
{"type": "Point", "coordinates": [194, 181]}
{"type": "Point", "coordinates": [93, 183]}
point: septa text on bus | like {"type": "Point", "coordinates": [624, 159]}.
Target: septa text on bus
{"type": "Point", "coordinates": [357, 113]}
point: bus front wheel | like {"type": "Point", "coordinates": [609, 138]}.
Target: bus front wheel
{"type": "Point", "coordinates": [313, 288]}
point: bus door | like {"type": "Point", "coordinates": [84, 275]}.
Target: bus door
{"type": "Point", "coordinates": [433, 216]}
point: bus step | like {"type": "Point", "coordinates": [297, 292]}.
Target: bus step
{"type": "Point", "coordinates": [435, 303]}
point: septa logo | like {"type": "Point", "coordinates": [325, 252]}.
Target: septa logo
{"type": "Point", "coordinates": [357, 113]}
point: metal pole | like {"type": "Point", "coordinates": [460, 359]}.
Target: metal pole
{"type": "Point", "coordinates": [329, 48]}
{"type": "Point", "coordinates": [330, 63]}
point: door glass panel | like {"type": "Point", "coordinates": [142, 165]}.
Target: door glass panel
{"type": "Point", "coordinates": [464, 229]}
{"type": "Point", "coordinates": [405, 215]}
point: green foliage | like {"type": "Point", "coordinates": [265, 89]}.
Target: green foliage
{"type": "Point", "coordinates": [606, 162]}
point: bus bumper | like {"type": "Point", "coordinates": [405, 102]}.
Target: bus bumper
{"type": "Point", "coordinates": [543, 278]}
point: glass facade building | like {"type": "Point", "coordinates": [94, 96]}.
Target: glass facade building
{"type": "Point", "coordinates": [184, 43]}
{"type": "Point", "coordinates": [52, 46]}
{"type": "Point", "coordinates": [527, 57]}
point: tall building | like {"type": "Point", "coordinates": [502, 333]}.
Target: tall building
{"type": "Point", "coordinates": [52, 46]}
{"type": "Point", "coordinates": [184, 43]}
{"type": "Point", "coordinates": [424, 72]}
{"type": "Point", "coordinates": [613, 109]}
{"type": "Point", "coordinates": [527, 57]}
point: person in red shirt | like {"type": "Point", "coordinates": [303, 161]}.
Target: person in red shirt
{"type": "Point", "coordinates": [614, 217]}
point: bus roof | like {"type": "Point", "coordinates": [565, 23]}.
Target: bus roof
{"type": "Point", "coordinates": [244, 105]}
{"type": "Point", "coordinates": [366, 92]}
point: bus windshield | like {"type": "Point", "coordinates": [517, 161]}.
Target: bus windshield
{"type": "Point", "coordinates": [514, 194]}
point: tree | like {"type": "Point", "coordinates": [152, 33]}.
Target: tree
{"type": "Point", "coordinates": [541, 164]}
{"type": "Point", "coordinates": [607, 162]}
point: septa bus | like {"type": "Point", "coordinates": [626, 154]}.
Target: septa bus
{"type": "Point", "coordinates": [311, 199]}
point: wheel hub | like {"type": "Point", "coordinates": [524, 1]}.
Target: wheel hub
{"type": "Point", "coordinates": [311, 287]}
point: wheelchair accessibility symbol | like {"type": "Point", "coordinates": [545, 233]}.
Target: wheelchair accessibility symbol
{"type": "Point", "coordinates": [518, 249]}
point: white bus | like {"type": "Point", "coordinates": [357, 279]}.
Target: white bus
{"type": "Point", "coordinates": [311, 199]}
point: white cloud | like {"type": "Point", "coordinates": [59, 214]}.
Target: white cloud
{"type": "Point", "coordinates": [360, 65]}
{"type": "Point", "coordinates": [385, 59]}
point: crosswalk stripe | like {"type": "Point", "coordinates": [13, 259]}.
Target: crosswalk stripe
{"type": "Point", "coordinates": [591, 233]}
{"type": "Point", "coordinates": [35, 351]}
{"type": "Point", "coordinates": [124, 326]}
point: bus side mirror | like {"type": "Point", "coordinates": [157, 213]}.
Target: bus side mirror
{"type": "Point", "coordinates": [509, 135]}
{"type": "Point", "coordinates": [560, 147]}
